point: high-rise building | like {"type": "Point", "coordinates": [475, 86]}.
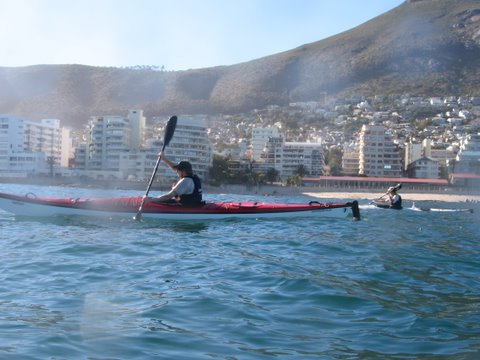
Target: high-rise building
{"type": "Point", "coordinates": [109, 137]}
{"type": "Point", "coordinates": [378, 154]}
{"type": "Point", "coordinates": [468, 157]}
{"type": "Point", "coordinates": [28, 147]}
{"type": "Point", "coordinates": [137, 123]}
{"type": "Point", "coordinates": [51, 139]}
{"type": "Point", "coordinates": [190, 142]}
{"type": "Point", "coordinates": [117, 148]}
{"type": "Point", "coordinates": [412, 152]}
{"type": "Point", "coordinates": [260, 136]}
{"type": "Point", "coordinates": [350, 159]}
{"type": "Point", "coordinates": [288, 157]}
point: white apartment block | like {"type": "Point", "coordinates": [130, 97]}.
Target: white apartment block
{"type": "Point", "coordinates": [190, 142]}
{"type": "Point", "coordinates": [468, 157]}
{"type": "Point", "coordinates": [441, 155]}
{"type": "Point", "coordinates": [51, 139]}
{"type": "Point", "coordinates": [109, 137]}
{"type": "Point", "coordinates": [117, 149]}
{"type": "Point", "coordinates": [378, 155]}
{"type": "Point", "coordinates": [287, 157]}
{"type": "Point", "coordinates": [28, 148]}
{"type": "Point", "coordinates": [260, 136]}
{"type": "Point", "coordinates": [412, 152]}
{"type": "Point", "coordinates": [138, 128]}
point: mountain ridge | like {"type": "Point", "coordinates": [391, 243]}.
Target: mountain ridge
{"type": "Point", "coordinates": [423, 47]}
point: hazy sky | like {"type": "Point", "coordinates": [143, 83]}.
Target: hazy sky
{"type": "Point", "coordinates": [176, 34]}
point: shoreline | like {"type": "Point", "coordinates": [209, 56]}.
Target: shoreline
{"type": "Point", "coordinates": [345, 194]}
{"type": "Point", "coordinates": [453, 198]}
{"type": "Point", "coordinates": [444, 195]}
{"type": "Point", "coordinates": [448, 195]}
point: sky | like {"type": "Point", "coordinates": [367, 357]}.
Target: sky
{"type": "Point", "coordinates": [173, 34]}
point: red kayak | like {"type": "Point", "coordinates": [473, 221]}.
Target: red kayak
{"type": "Point", "coordinates": [30, 205]}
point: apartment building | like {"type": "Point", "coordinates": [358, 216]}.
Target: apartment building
{"type": "Point", "coordinates": [441, 154]}
{"type": "Point", "coordinates": [108, 138]}
{"type": "Point", "coordinates": [50, 138]}
{"type": "Point", "coordinates": [425, 168]}
{"type": "Point", "coordinates": [378, 154]}
{"type": "Point", "coordinates": [287, 157]}
{"type": "Point", "coordinates": [413, 152]}
{"type": "Point", "coordinates": [28, 148]}
{"type": "Point", "coordinates": [117, 148]}
{"type": "Point", "coordinates": [260, 137]}
{"type": "Point", "coordinates": [190, 142]}
{"type": "Point", "coordinates": [468, 157]}
{"type": "Point", "coordinates": [350, 159]}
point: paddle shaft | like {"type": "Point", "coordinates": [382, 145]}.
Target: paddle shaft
{"type": "Point", "coordinates": [151, 180]}
{"type": "Point", "coordinates": [169, 130]}
{"type": "Point", "coordinates": [381, 197]}
{"type": "Point", "coordinates": [397, 187]}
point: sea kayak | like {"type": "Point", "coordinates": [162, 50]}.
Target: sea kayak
{"type": "Point", "coordinates": [386, 205]}
{"type": "Point", "coordinates": [415, 208]}
{"type": "Point", "coordinates": [31, 205]}
{"type": "Point", "coordinates": [383, 204]}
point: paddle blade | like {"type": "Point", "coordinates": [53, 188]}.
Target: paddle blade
{"type": "Point", "coordinates": [169, 130]}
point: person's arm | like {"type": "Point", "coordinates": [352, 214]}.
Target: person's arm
{"type": "Point", "coordinates": [181, 187]}
{"type": "Point", "coordinates": [168, 162]}
{"type": "Point", "coordinates": [167, 196]}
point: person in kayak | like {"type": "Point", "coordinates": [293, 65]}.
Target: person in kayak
{"type": "Point", "coordinates": [187, 190]}
{"type": "Point", "coordinates": [395, 199]}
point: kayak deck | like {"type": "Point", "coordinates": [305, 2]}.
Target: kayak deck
{"type": "Point", "coordinates": [30, 205]}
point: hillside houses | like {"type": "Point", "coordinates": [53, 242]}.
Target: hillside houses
{"type": "Point", "coordinates": [433, 128]}
{"type": "Point", "coordinates": [443, 121]}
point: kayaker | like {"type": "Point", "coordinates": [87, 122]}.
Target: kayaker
{"type": "Point", "coordinates": [187, 190]}
{"type": "Point", "coordinates": [395, 199]}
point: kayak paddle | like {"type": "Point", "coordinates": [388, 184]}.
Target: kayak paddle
{"type": "Point", "coordinates": [396, 188]}
{"type": "Point", "coordinates": [169, 130]}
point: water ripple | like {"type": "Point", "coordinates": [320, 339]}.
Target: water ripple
{"type": "Point", "coordinates": [396, 285]}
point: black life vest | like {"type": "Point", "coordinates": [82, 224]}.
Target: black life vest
{"type": "Point", "coordinates": [195, 198]}
{"type": "Point", "coordinates": [397, 204]}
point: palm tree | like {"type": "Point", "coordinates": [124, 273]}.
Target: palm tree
{"type": "Point", "coordinates": [301, 171]}
{"type": "Point", "coordinates": [271, 175]}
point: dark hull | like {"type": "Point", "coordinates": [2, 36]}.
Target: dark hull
{"type": "Point", "coordinates": [384, 205]}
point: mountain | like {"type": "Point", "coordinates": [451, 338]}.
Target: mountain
{"type": "Point", "coordinates": [422, 47]}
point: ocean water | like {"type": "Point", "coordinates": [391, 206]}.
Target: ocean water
{"type": "Point", "coordinates": [395, 285]}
